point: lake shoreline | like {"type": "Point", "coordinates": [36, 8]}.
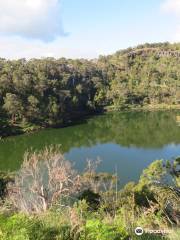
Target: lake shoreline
{"type": "Point", "coordinates": [76, 120]}
{"type": "Point", "coordinates": [149, 107]}
{"type": "Point", "coordinates": [19, 129]}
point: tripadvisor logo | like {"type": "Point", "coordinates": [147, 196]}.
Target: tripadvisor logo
{"type": "Point", "coordinates": [139, 231]}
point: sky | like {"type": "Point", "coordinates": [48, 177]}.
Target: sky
{"type": "Point", "coordinates": [84, 28]}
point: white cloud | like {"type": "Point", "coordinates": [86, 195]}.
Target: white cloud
{"type": "Point", "coordinates": [171, 6]}
{"type": "Point", "coordinates": [17, 47]}
{"type": "Point", "coordinates": [39, 19]}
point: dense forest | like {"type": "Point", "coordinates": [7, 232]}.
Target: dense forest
{"type": "Point", "coordinates": [52, 92]}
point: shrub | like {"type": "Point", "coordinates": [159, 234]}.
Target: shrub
{"type": "Point", "coordinates": [44, 178]}
{"type": "Point", "coordinates": [98, 230]}
{"type": "Point", "coordinates": [21, 227]}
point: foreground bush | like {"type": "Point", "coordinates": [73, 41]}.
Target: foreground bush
{"type": "Point", "coordinates": [20, 227]}
{"type": "Point", "coordinates": [97, 229]}
{"type": "Point", "coordinates": [48, 200]}
{"type": "Point", "coordinates": [47, 227]}
{"type": "Point", "coordinates": [44, 178]}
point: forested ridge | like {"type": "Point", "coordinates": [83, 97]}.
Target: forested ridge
{"type": "Point", "coordinates": [51, 92]}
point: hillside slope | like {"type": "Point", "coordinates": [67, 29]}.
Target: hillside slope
{"type": "Point", "coordinates": [48, 92]}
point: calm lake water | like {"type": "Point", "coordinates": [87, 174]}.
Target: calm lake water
{"type": "Point", "coordinates": [128, 142]}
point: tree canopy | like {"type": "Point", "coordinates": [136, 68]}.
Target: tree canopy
{"type": "Point", "coordinates": [52, 91]}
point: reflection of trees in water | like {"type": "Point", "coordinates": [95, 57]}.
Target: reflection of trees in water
{"type": "Point", "coordinates": [145, 130]}
{"type": "Point", "coordinates": [139, 129]}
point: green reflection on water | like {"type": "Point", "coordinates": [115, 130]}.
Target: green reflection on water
{"type": "Point", "coordinates": [133, 130]}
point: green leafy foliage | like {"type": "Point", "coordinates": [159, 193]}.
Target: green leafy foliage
{"type": "Point", "coordinates": [50, 92]}
{"type": "Point", "coordinates": [98, 230]}
{"type": "Point", "coordinates": [21, 227]}
{"type": "Point", "coordinates": [153, 203]}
